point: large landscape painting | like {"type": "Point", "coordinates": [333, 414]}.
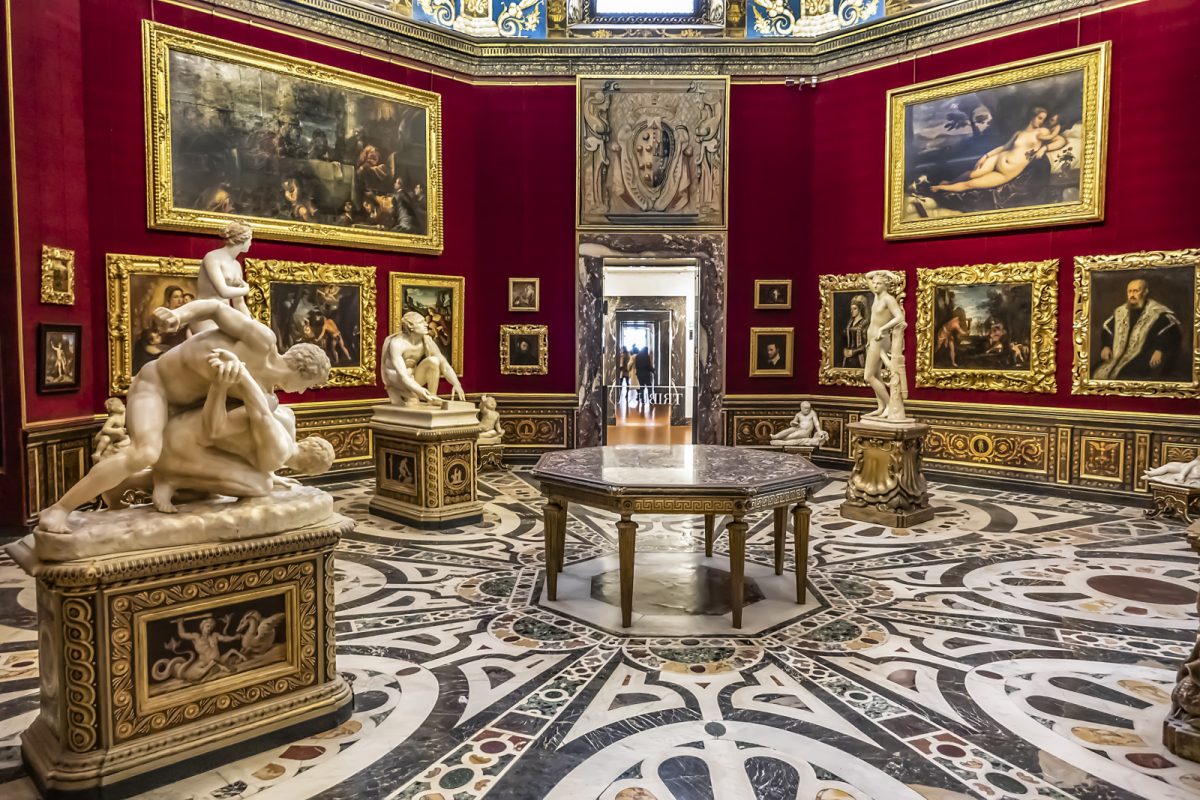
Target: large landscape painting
{"type": "Point", "coordinates": [307, 152]}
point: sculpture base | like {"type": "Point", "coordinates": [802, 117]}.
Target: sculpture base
{"type": "Point", "coordinates": [491, 456]}
{"type": "Point", "coordinates": [425, 465]}
{"type": "Point", "coordinates": [1181, 737]}
{"type": "Point", "coordinates": [1173, 500]}
{"type": "Point", "coordinates": [886, 485]}
{"type": "Point", "coordinates": [795, 449]}
{"type": "Point", "coordinates": [131, 695]}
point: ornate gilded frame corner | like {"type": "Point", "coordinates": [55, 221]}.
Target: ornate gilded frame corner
{"type": "Point", "coordinates": [787, 372]}
{"type": "Point", "coordinates": [1043, 313]}
{"type": "Point", "coordinates": [158, 40]}
{"type": "Point", "coordinates": [119, 270]}
{"type": "Point", "coordinates": [830, 374]}
{"type": "Point", "coordinates": [646, 221]}
{"type": "Point", "coordinates": [396, 284]}
{"type": "Point", "coordinates": [537, 294]}
{"type": "Point", "coordinates": [1092, 59]}
{"type": "Point", "coordinates": [1082, 381]}
{"type": "Point", "coordinates": [262, 274]}
{"type": "Point", "coordinates": [53, 260]}
{"type": "Point", "coordinates": [542, 367]}
{"type": "Point", "coordinates": [784, 306]}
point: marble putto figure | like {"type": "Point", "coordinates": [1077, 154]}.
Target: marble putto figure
{"type": "Point", "coordinates": [489, 419]}
{"type": "Point", "coordinates": [804, 430]}
{"type": "Point", "coordinates": [412, 366]}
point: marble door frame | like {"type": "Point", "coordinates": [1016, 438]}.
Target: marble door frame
{"type": "Point", "coordinates": [709, 252]}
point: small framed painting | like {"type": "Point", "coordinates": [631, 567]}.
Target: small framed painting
{"type": "Point", "coordinates": [523, 350]}
{"type": "Point", "coordinates": [58, 276]}
{"type": "Point", "coordinates": [524, 294]}
{"type": "Point", "coordinates": [771, 352]}
{"type": "Point", "coordinates": [773, 295]}
{"type": "Point", "coordinates": [440, 300]}
{"type": "Point", "coordinates": [58, 357]}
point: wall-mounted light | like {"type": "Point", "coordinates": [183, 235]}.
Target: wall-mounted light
{"type": "Point", "coordinates": [801, 82]}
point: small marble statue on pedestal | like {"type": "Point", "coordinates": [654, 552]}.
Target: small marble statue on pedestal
{"type": "Point", "coordinates": [425, 446]}
{"type": "Point", "coordinates": [1175, 489]}
{"type": "Point", "coordinates": [886, 484]}
{"type": "Point", "coordinates": [804, 432]}
{"type": "Point", "coordinates": [491, 438]}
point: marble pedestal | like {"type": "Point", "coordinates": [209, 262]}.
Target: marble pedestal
{"type": "Point", "coordinates": [425, 465]}
{"type": "Point", "coordinates": [1174, 500]}
{"type": "Point", "coordinates": [886, 485]}
{"type": "Point", "coordinates": [805, 451]}
{"type": "Point", "coordinates": [1181, 729]}
{"type": "Point", "coordinates": [129, 700]}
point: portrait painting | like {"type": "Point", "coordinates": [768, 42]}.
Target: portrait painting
{"type": "Point", "coordinates": [988, 326]}
{"type": "Point", "coordinates": [58, 357]}
{"type": "Point", "coordinates": [842, 325]}
{"type": "Point", "coordinates": [771, 352]}
{"type": "Point", "coordinates": [773, 295]}
{"type": "Point", "coordinates": [439, 299]}
{"type": "Point", "coordinates": [301, 151]}
{"type": "Point", "coordinates": [524, 294]}
{"type": "Point", "coordinates": [523, 350]}
{"type": "Point", "coordinates": [652, 151]}
{"type": "Point", "coordinates": [326, 305]}
{"type": "Point", "coordinates": [1013, 146]}
{"type": "Point", "coordinates": [136, 286]}
{"type": "Point", "coordinates": [207, 647]}
{"type": "Point", "coordinates": [1136, 327]}
{"type": "Point", "coordinates": [58, 276]}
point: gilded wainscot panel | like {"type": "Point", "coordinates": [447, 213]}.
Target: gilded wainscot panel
{"type": "Point", "coordinates": [1137, 324]}
{"type": "Point", "coordinates": [842, 325]}
{"type": "Point", "coordinates": [652, 151]}
{"type": "Point", "coordinates": [988, 326]}
{"type": "Point", "coordinates": [327, 305]}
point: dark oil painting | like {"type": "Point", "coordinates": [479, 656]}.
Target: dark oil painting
{"type": "Point", "coordinates": [1141, 324]}
{"type": "Point", "coordinates": [326, 315]}
{"type": "Point", "coordinates": [983, 326]}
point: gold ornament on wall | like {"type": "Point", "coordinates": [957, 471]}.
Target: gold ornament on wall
{"type": "Point", "coordinates": [988, 326]}
{"type": "Point", "coordinates": [328, 305]}
{"type": "Point", "coordinates": [58, 276]}
{"type": "Point", "coordinates": [842, 325]}
{"type": "Point", "coordinates": [1137, 324]}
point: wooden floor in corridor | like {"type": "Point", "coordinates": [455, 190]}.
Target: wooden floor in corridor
{"type": "Point", "coordinates": [647, 424]}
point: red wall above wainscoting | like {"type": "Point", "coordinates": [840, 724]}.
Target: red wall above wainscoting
{"type": "Point", "coordinates": [833, 220]}
{"type": "Point", "coordinates": [806, 188]}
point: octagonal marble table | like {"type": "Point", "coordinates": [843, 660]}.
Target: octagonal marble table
{"type": "Point", "coordinates": [679, 479]}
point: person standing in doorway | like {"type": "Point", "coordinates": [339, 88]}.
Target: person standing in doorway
{"type": "Point", "coordinates": [622, 377]}
{"type": "Point", "coordinates": [631, 371]}
{"type": "Point", "coordinates": [645, 371]}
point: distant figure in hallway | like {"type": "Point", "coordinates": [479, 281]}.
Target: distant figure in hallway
{"type": "Point", "coordinates": [645, 371]}
{"type": "Point", "coordinates": [622, 377]}
{"type": "Point", "coordinates": [631, 370]}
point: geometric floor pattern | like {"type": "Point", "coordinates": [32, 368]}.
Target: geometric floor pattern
{"type": "Point", "coordinates": [1017, 646]}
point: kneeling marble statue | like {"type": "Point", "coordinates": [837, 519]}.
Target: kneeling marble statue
{"type": "Point", "coordinates": [413, 366]}
{"type": "Point", "coordinates": [203, 417]}
{"type": "Point", "coordinates": [804, 430]}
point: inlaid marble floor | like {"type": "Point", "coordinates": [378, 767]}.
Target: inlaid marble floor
{"type": "Point", "coordinates": [1018, 646]}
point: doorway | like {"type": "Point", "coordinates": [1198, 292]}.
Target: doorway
{"type": "Point", "coordinates": [649, 350]}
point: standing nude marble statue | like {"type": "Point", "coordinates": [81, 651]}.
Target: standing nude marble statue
{"type": "Point", "coordinates": [804, 430]}
{"type": "Point", "coordinates": [413, 366]}
{"type": "Point", "coordinates": [221, 274]}
{"type": "Point", "coordinates": [181, 379]}
{"type": "Point", "coordinates": [885, 350]}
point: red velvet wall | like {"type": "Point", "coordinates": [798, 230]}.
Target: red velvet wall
{"type": "Point", "coordinates": [836, 212]}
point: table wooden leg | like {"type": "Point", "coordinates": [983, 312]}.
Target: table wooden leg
{"type": "Point", "coordinates": [709, 524]}
{"type": "Point", "coordinates": [561, 545]}
{"type": "Point", "coordinates": [737, 567]}
{"type": "Point", "coordinates": [626, 536]}
{"type": "Point", "coordinates": [550, 516]}
{"type": "Point", "coordinates": [780, 537]}
{"type": "Point", "coordinates": [800, 518]}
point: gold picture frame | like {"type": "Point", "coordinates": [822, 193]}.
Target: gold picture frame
{"type": "Point", "coordinates": [915, 209]}
{"type": "Point", "coordinates": [161, 43]}
{"type": "Point", "coordinates": [1007, 343]}
{"type": "Point", "coordinates": [278, 284]}
{"type": "Point", "coordinates": [134, 285]}
{"type": "Point", "coordinates": [417, 289]}
{"type": "Point", "coordinates": [58, 276]}
{"type": "Point", "coordinates": [523, 304]}
{"type": "Point", "coordinates": [838, 293]}
{"type": "Point", "coordinates": [764, 299]}
{"type": "Point", "coordinates": [1173, 275]}
{"type": "Point", "coordinates": [760, 358]}
{"type": "Point", "coordinates": [538, 364]}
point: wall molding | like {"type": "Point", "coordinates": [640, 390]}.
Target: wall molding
{"type": "Point", "coordinates": [1093, 450]}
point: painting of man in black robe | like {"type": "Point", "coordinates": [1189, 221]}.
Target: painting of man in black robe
{"type": "Point", "coordinates": [1141, 323]}
{"type": "Point", "coordinates": [258, 143]}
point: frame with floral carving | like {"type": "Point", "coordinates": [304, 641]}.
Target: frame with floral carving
{"type": "Point", "coordinates": [58, 276]}
{"type": "Point", "coordinates": [441, 300]}
{"type": "Point", "coordinates": [1020, 361]}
